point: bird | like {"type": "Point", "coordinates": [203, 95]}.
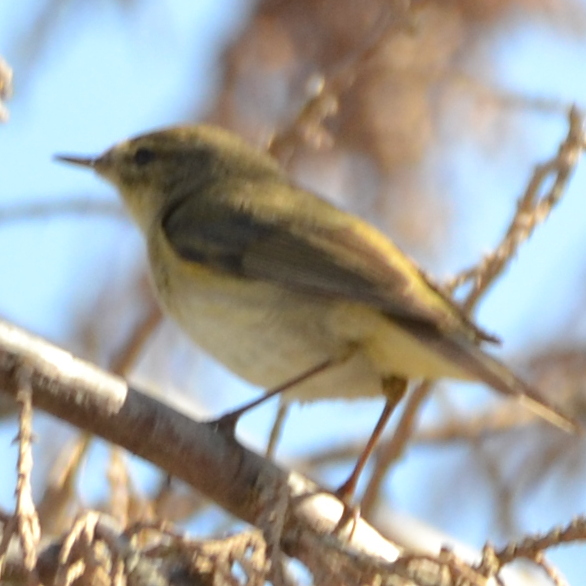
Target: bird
{"type": "Point", "coordinates": [288, 291]}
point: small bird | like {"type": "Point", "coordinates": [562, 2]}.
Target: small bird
{"type": "Point", "coordinates": [285, 289]}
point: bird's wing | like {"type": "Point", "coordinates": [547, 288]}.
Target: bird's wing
{"type": "Point", "coordinates": [277, 237]}
{"type": "Point", "coordinates": [295, 239]}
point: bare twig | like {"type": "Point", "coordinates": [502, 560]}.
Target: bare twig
{"type": "Point", "coordinates": [529, 547]}
{"type": "Point", "coordinates": [59, 491]}
{"type": "Point", "coordinates": [24, 524]}
{"type": "Point", "coordinates": [29, 531]}
{"type": "Point", "coordinates": [502, 99]}
{"type": "Point", "coordinates": [532, 548]}
{"type": "Point", "coordinates": [532, 209]}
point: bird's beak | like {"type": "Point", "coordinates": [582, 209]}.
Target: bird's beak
{"type": "Point", "coordinates": [81, 161]}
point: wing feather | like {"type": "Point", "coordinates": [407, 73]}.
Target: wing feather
{"type": "Point", "coordinates": [299, 241]}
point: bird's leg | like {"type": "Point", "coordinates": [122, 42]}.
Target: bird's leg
{"type": "Point", "coordinates": [228, 422]}
{"type": "Point", "coordinates": [393, 388]}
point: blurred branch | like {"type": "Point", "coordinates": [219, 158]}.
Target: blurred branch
{"type": "Point", "coordinates": [5, 88]}
{"type": "Point", "coordinates": [59, 494]}
{"type": "Point", "coordinates": [308, 124]}
{"type": "Point", "coordinates": [127, 356]}
{"type": "Point", "coordinates": [467, 429]}
{"type": "Point", "coordinates": [472, 427]}
{"type": "Point", "coordinates": [49, 20]}
{"type": "Point", "coordinates": [43, 209]}
{"type": "Point", "coordinates": [58, 501]}
{"type": "Point", "coordinates": [501, 98]}
{"type": "Point", "coordinates": [530, 547]}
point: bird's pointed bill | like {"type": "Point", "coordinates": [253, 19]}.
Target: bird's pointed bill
{"type": "Point", "coordinates": [81, 161]}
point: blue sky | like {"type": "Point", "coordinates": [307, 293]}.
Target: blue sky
{"type": "Point", "coordinates": [94, 85]}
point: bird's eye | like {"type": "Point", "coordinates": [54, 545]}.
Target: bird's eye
{"type": "Point", "coordinates": [143, 156]}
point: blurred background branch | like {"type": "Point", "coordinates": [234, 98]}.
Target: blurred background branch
{"type": "Point", "coordinates": [5, 88]}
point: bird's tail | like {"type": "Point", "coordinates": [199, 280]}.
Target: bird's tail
{"type": "Point", "coordinates": [482, 366]}
{"type": "Point", "coordinates": [493, 372]}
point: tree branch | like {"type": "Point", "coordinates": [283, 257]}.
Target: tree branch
{"type": "Point", "coordinates": [237, 479]}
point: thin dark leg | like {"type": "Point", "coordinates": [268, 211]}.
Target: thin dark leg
{"type": "Point", "coordinates": [228, 421]}
{"type": "Point", "coordinates": [394, 389]}
{"type": "Point", "coordinates": [346, 491]}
